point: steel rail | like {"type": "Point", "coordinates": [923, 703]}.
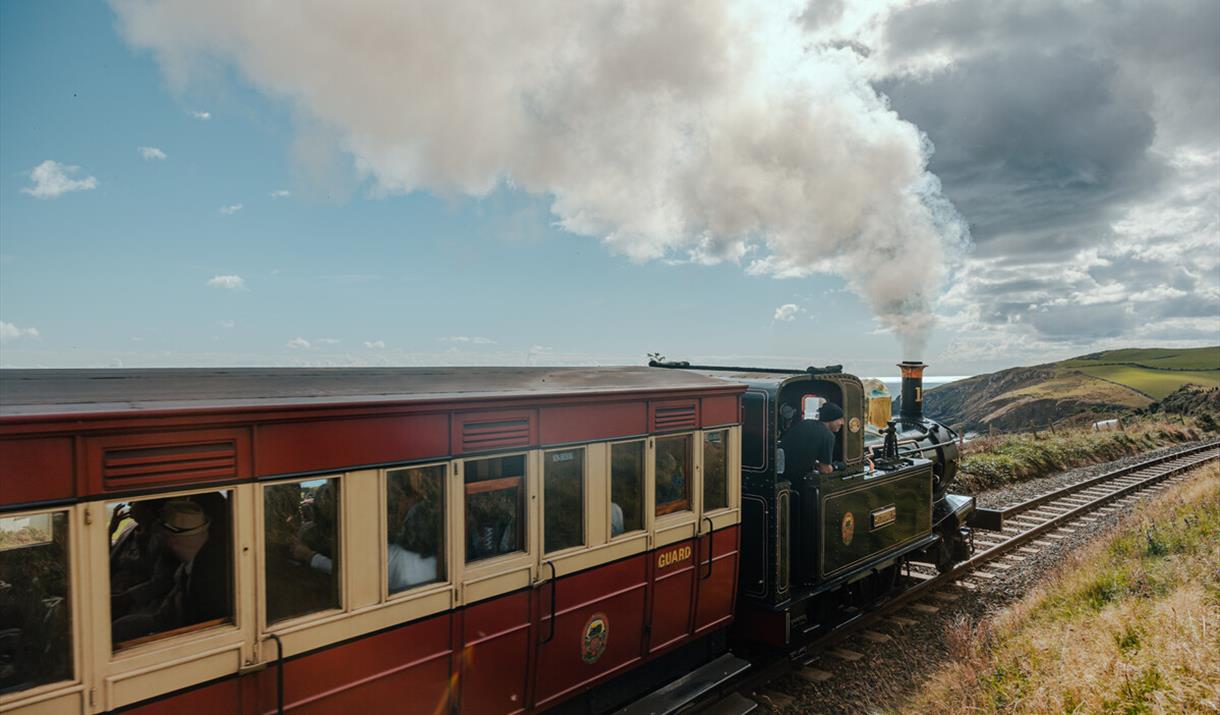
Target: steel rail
{"type": "Point", "coordinates": [1176, 463]}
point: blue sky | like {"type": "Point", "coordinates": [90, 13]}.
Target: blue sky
{"type": "Point", "coordinates": [339, 265]}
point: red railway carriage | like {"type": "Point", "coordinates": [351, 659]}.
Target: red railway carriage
{"type": "Point", "coordinates": [483, 540]}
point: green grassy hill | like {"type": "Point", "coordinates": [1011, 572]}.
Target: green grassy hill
{"type": "Point", "coordinates": [1094, 386]}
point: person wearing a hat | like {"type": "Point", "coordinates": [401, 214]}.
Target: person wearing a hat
{"type": "Point", "coordinates": [810, 444]}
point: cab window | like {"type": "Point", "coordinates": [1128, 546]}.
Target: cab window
{"type": "Point", "coordinates": [563, 483]}
{"type": "Point", "coordinates": [673, 469]}
{"type": "Point", "coordinates": [715, 470]}
{"type": "Point", "coordinates": [171, 566]}
{"type": "Point", "coordinates": [301, 530]}
{"type": "Point", "coordinates": [415, 526]}
{"type": "Point", "coordinates": [35, 612]}
{"type": "Point", "coordinates": [495, 506]}
{"type": "Point", "coordinates": [626, 487]}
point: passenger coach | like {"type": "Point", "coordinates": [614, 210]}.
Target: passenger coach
{"type": "Point", "coordinates": [398, 540]}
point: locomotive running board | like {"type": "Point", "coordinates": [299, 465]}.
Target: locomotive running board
{"type": "Point", "coordinates": [689, 687]}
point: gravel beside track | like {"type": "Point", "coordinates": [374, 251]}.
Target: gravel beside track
{"type": "Point", "coordinates": [889, 672]}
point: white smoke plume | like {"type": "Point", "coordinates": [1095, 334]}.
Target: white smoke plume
{"type": "Point", "coordinates": [707, 130]}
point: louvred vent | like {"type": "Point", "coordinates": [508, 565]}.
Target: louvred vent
{"type": "Point", "coordinates": [679, 417]}
{"type": "Point", "coordinates": [125, 467]}
{"type": "Point", "coordinates": [480, 436]}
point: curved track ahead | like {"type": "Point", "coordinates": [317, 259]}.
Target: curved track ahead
{"type": "Point", "coordinates": [1025, 526]}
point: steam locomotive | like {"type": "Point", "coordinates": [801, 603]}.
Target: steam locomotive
{"type": "Point", "coordinates": [819, 547]}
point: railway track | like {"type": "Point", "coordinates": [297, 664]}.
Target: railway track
{"type": "Point", "coordinates": [1026, 528]}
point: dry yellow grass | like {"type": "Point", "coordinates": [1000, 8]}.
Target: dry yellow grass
{"type": "Point", "coordinates": [1129, 625]}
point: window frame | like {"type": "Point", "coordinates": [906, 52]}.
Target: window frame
{"type": "Point", "coordinates": [191, 633]}
{"type": "Point", "coordinates": [645, 497]}
{"type": "Point", "coordinates": [728, 471]}
{"type": "Point", "coordinates": [449, 471]}
{"type": "Point", "coordinates": [694, 485]}
{"type": "Point", "coordinates": [584, 503]}
{"type": "Point", "coordinates": [528, 498]}
{"type": "Point", "coordinates": [260, 541]}
{"type": "Point", "coordinates": [78, 611]}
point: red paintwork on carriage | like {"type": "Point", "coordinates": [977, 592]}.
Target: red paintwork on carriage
{"type": "Point", "coordinates": [485, 657]}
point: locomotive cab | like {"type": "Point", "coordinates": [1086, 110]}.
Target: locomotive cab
{"type": "Point", "coordinates": [818, 546]}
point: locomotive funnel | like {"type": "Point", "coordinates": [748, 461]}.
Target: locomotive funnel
{"type": "Point", "coordinates": [911, 409]}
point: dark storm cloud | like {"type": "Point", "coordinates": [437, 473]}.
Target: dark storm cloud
{"type": "Point", "coordinates": [1081, 143]}
{"type": "Point", "coordinates": [1033, 142]}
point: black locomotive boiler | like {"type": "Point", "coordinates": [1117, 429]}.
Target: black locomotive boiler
{"type": "Point", "coordinates": [816, 547]}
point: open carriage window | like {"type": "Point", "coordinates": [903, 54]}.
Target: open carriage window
{"type": "Point", "coordinates": [495, 506]}
{"type": "Point", "coordinates": [35, 613]}
{"type": "Point", "coordinates": [715, 470]}
{"type": "Point", "coordinates": [563, 483]}
{"type": "Point", "coordinates": [673, 470]}
{"type": "Point", "coordinates": [301, 537]}
{"type": "Point", "coordinates": [171, 566]}
{"type": "Point", "coordinates": [415, 522]}
{"type": "Point", "coordinates": [626, 487]}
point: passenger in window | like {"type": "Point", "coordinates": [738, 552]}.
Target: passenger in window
{"type": "Point", "coordinates": [300, 528]}
{"type": "Point", "coordinates": [134, 551]}
{"type": "Point", "coordinates": [415, 521]}
{"type": "Point", "coordinates": [190, 581]}
{"type": "Point", "coordinates": [671, 480]}
{"type": "Point", "coordinates": [616, 519]}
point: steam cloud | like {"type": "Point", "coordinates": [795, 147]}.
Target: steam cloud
{"type": "Point", "coordinates": [702, 130]}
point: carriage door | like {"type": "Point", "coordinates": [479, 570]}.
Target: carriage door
{"type": "Point", "coordinates": [589, 599]}
{"type": "Point", "coordinates": [716, 577]}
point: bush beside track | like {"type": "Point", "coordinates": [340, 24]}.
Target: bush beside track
{"type": "Point", "coordinates": [1127, 625]}
{"type": "Point", "coordinates": [991, 462]}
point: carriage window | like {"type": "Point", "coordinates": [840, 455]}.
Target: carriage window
{"type": "Point", "coordinates": [415, 509]}
{"type": "Point", "coordinates": [673, 474]}
{"type": "Point", "coordinates": [301, 530]}
{"type": "Point", "coordinates": [626, 487]}
{"type": "Point", "coordinates": [563, 480]}
{"type": "Point", "coordinates": [35, 613]}
{"type": "Point", "coordinates": [715, 470]}
{"type": "Point", "coordinates": [495, 506]}
{"type": "Point", "coordinates": [171, 566]}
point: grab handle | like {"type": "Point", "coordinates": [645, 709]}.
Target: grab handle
{"type": "Point", "coordinates": [551, 634]}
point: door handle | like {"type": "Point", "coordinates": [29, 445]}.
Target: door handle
{"type": "Point", "coordinates": [551, 633]}
{"type": "Point", "coordinates": [711, 546]}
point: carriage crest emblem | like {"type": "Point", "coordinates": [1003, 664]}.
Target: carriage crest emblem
{"type": "Point", "coordinates": [596, 636]}
{"type": "Point", "coordinates": [847, 528]}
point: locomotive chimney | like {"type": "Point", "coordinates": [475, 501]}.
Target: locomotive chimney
{"type": "Point", "coordinates": [911, 409]}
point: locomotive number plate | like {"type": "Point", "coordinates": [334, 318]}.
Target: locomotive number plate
{"type": "Point", "coordinates": [884, 516]}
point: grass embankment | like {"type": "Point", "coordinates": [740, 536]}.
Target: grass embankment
{"type": "Point", "coordinates": [1129, 625]}
{"type": "Point", "coordinates": [991, 462]}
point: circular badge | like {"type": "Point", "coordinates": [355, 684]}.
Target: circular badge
{"type": "Point", "coordinates": [854, 424]}
{"type": "Point", "coordinates": [847, 528]}
{"type": "Point", "coordinates": [596, 636]}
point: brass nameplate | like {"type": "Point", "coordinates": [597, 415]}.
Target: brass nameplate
{"type": "Point", "coordinates": [884, 516]}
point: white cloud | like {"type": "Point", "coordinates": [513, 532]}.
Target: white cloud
{"type": "Point", "coordinates": [299, 342]}
{"type": "Point", "coordinates": [51, 179]}
{"type": "Point", "coordinates": [228, 324]}
{"type": "Point", "coordinates": [733, 140]}
{"type": "Point", "coordinates": [787, 312]}
{"type": "Point", "coordinates": [229, 282]}
{"type": "Point", "coordinates": [281, 194]}
{"type": "Point", "coordinates": [10, 331]}
{"type": "Point", "coordinates": [201, 116]}
{"type": "Point", "coordinates": [472, 340]}
{"type": "Point", "coordinates": [152, 152]}
{"type": "Point", "coordinates": [230, 209]}
{"type": "Point", "coordinates": [375, 344]}
{"type": "Point", "coordinates": [325, 341]}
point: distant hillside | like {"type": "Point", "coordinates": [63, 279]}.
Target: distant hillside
{"type": "Point", "coordinates": [1088, 387]}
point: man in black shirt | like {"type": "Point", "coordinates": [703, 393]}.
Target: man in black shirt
{"type": "Point", "coordinates": [811, 443]}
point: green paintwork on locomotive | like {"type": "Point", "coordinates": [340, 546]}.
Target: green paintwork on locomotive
{"type": "Point", "coordinates": [864, 516]}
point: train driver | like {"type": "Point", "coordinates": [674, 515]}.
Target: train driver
{"type": "Point", "coordinates": [810, 444]}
